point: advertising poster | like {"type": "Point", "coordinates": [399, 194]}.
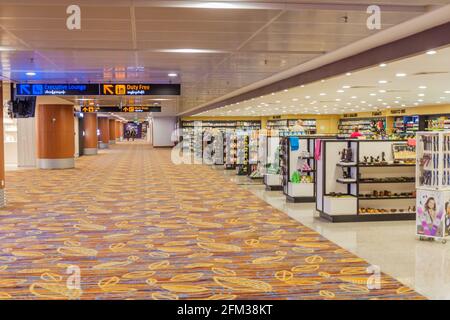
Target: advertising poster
{"type": "Point", "coordinates": [433, 213]}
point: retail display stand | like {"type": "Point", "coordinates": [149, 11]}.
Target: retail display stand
{"type": "Point", "coordinates": [255, 155]}
{"type": "Point", "coordinates": [230, 150]}
{"type": "Point", "coordinates": [242, 165]}
{"type": "Point", "coordinates": [272, 163]}
{"type": "Point", "coordinates": [10, 139]}
{"type": "Point", "coordinates": [298, 168]}
{"type": "Point", "coordinates": [433, 185]}
{"type": "Point", "coordinates": [366, 180]}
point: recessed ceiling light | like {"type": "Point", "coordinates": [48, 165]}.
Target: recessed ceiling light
{"type": "Point", "coordinates": [421, 94]}
{"type": "Point", "coordinates": [431, 52]}
{"type": "Point", "coordinates": [373, 94]}
{"type": "Point", "coordinates": [31, 74]}
{"type": "Point", "coordinates": [348, 74]}
{"type": "Point", "coordinates": [340, 91]}
{"type": "Point", "coordinates": [190, 50]}
{"type": "Point", "coordinates": [295, 99]}
{"type": "Point", "coordinates": [422, 87]}
{"type": "Point", "coordinates": [307, 97]}
{"type": "Point", "coordinates": [382, 65]}
{"type": "Point", "coordinates": [400, 74]}
{"type": "Point", "coordinates": [382, 81]}
{"type": "Point", "coordinates": [286, 90]}
{"type": "Point", "coordinates": [173, 75]}
{"type": "Point", "coordinates": [323, 94]}
{"type": "Point", "coordinates": [448, 91]}
{"type": "Point", "coordinates": [381, 91]}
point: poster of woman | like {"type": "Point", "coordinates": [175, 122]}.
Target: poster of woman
{"type": "Point", "coordinates": [431, 214]}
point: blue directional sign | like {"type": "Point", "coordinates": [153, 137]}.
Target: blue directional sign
{"type": "Point", "coordinates": [67, 89]}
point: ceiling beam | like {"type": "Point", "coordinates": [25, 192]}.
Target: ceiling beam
{"type": "Point", "coordinates": [407, 30]}
{"type": "Point", "coordinates": [226, 4]}
{"type": "Point", "coordinates": [418, 43]}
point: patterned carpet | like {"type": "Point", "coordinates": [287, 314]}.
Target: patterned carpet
{"type": "Point", "coordinates": [139, 227]}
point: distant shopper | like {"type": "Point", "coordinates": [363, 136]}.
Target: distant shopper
{"type": "Point", "coordinates": [127, 134]}
{"type": "Point", "coordinates": [298, 127]}
{"type": "Point", "coordinates": [355, 133]}
{"type": "Point", "coordinates": [133, 134]}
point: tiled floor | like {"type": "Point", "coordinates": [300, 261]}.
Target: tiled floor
{"type": "Point", "coordinates": [139, 227]}
{"type": "Point", "coordinates": [424, 266]}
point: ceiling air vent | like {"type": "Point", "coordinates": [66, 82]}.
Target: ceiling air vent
{"type": "Point", "coordinates": [430, 73]}
{"type": "Point", "coordinates": [363, 87]}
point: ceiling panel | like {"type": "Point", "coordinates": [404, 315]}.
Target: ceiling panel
{"type": "Point", "coordinates": [121, 40]}
{"type": "Point", "coordinates": [226, 16]}
{"type": "Point", "coordinates": [198, 26]}
{"type": "Point", "coordinates": [426, 81]}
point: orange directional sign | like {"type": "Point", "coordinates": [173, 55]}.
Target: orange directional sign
{"type": "Point", "coordinates": [89, 109]}
{"type": "Point", "coordinates": [139, 89]}
{"type": "Point", "coordinates": [108, 89]}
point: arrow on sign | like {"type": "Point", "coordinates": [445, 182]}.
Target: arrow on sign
{"type": "Point", "coordinates": [25, 89]}
{"type": "Point", "coordinates": [108, 89]}
{"type": "Point", "coordinates": [125, 109]}
{"type": "Point", "coordinates": [84, 109]}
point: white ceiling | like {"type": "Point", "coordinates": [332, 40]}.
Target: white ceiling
{"type": "Point", "coordinates": [426, 82]}
{"type": "Point", "coordinates": [133, 41]}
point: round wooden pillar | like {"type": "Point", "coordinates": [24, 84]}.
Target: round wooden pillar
{"type": "Point", "coordinates": [121, 130]}
{"type": "Point", "coordinates": [112, 131]}
{"type": "Point", "coordinates": [103, 126]}
{"type": "Point", "coordinates": [55, 136]}
{"type": "Point", "coordinates": [118, 130]}
{"type": "Point", "coordinates": [90, 134]}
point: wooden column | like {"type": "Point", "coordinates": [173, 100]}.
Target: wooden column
{"type": "Point", "coordinates": [90, 134]}
{"type": "Point", "coordinates": [117, 130]}
{"type": "Point", "coordinates": [103, 126]}
{"type": "Point", "coordinates": [121, 130]}
{"type": "Point", "coordinates": [112, 131]}
{"type": "Point", "coordinates": [2, 154]}
{"type": "Point", "coordinates": [55, 136]}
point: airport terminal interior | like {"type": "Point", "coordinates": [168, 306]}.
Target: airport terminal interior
{"type": "Point", "coordinates": [225, 150]}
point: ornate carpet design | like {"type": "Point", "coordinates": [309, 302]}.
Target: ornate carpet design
{"type": "Point", "coordinates": [139, 227]}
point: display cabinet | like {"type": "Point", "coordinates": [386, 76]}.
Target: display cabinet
{"type": "Point", "coordinates": [242, 165]}
{"type": "Point", "coordinates": [366, 180]}
{"type": "Point", "coordinates": [230, 150]}
{"type": "Point", "coordinates": [406, 125]}
{"type": "Point", "coordinates": [10, 139]}
{"type": "Point", "coordinates": [255, 171]}
{"type": "Point", "coordinates": [298, 168]}
{"type": "Point", "coordinates": [272, 163]}
{"type": "Point", "coordinates": [366, 126]}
